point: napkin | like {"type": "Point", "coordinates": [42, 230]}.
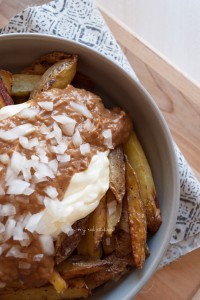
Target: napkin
{"type": "Point", "coordinates": [81, 21]}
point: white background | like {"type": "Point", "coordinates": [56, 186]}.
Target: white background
{"type": "Point", "coordinates": [170, 27]}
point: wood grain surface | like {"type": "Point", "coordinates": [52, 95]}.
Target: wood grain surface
{"type": "Point", "coordinates": [179, 100]}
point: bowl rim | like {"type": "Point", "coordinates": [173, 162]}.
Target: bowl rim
{"type": "Point", "coordinates": [171, 145]}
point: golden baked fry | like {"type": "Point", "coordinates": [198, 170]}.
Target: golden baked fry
{"type": "Point", "coordinates": [117, 173]}
{"type": "Point", "coordinates": [5, 98]}
{"type": "Point", "coordinates": [58, 282]}
{"type": "Point", "coordinates": [23, 84]}
{"type": "Point", "coordinates": [6, 77]}
{"type": "Point", "coordinates": [90, 243]}
{"type": "Point", "coordinates": [136, 217]}
{"type": "Point", "coordinates": [58, 75]}
{"type": "Point", "coordinates": [137, 159]}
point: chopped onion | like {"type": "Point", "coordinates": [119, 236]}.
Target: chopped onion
{"type": "Point", "coordinates": [43, 171]}
{"type": "Point", "coordinates": [44, 129]}
{"type": "Point", "coordinates": [38, 257]}
{"type": "Point", "coordinates": [17, 187]}
{"type": "Point", "coordinates": [7, 210]}
{"type": "Point", "coordinates": [4, 158]}
{"type": "Point", "coordinates": [77, 139]}
{"type": "Point", "coordinates": [57, 132]}
{"type": "Point", "coordinates": [27, 113]}
{"type": "Point", "coordinates": [85, 148]}
{"type": "Point", "coordinates": [51, 192]}
{"type": "Point", "coordinates": [18, 232]}
{"type": "Point", "coordinates": [2, 192]}
{"type": "Point", "coordinates": [81, 109]}
{"type": "Point", "coordinates": [15, 252]}
{"type": "Point", "coordinates": [62, 119]}
{"type": "Point", "coordinates": [34, 221]}
{"type": "Point", "coordinates": [24, 265]}
{"type": "Point", "coordinates": [9, 227]}
{"type": "Point", "coordinates": [46, 105]}
{"type": "Point", "coordinates": [17, 162]}
{"type": "Point", "coordinates": [40, 199]}
{"type": "Point", "coordinates": [4, 247]}
{"type": "Point", "coordinates": [47, 244]}
{"type": "Point", "coordinates": [60, 149]}
{"type": "Point", "coordinates": [53, 164]}
{"type": "Point", "coordinates": [88, 125]}
{"type": "Point", "coordinates": [16, 132]}
{"type": "Point", "coordinates": [63, 158]}
{"type": "Point", "coordinates": [107, 134]}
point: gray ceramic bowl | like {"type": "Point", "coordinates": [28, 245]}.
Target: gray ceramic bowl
{"type": "Point", "coordinates": [116, 88]}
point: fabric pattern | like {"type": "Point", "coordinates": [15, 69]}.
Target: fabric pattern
{"type": "Point", "coordinates": [81, 21]}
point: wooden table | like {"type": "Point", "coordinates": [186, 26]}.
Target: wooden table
{"type": "Point", "coordinates": [179, 100]}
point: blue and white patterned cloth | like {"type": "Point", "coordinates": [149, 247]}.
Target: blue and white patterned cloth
{"type": "Point", "coordinates": [81, 21]}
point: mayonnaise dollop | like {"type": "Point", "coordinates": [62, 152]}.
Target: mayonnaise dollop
{"type": "Point", "coordinates": [81, 198]}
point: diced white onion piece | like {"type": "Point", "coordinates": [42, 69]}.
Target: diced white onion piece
{"type": "Point", "coordinates": [85, 149]}
{"type": "Point", "coordinates": [15, 252]}
{"type": "Point", "coordinates": [63, 158]}
{"type": "Point", "coordinates": [81, 109]}
{"type": "Point", "coordinates": [68, 130]}
{"type": "Point", "coordinates": [17, 162]}
{"type": "Point", "coordinates": [51, 192]}
{"type": "Point", "coordinates": [53, 164]}
{"type": "Point", "coordinates": [40, 199]}
{"type": "Point", "coordinates": [44, 129]}
{"type": "Point", "coordinates": [26, 240]}
{"type": "Point", "coordinates": [28, 191]}
{"type": "Point", "coordinates": [7, 210]}
{"type": "Point", "coordinates": [34, 221]}
{"type": "Point", "coordinates": [28, 144]}
{"type": "Point", "coordinates": [88, 125]}
{"type": "Point", "coordinates": [47, 244]}
{"type": "Point", "coordinates": [51, 135]}
{"type": "Point", "coordinates": [17, 187]}
{"type": "Point", "coordinates": [26, 219]}
{"type": "Point", "coordinates": [27, 113]}
{"type": "Point", "coordinates": [46, 105]}
{"type": "Point", "coordinates": [60, 149]}
{"type": "Point", "coordinates": [2, 227]}
{"type": "Point", "coordinates": [107, 134]}
{"type": "Point", "coordinates": [57, 132]}
{"type": "Point", "coordinates": [62, 119]}
{"type": "Point", "coordinates": [9, 227]}
{"type": "Point", "coordinates": [18, 232]}
{"type": "Point", "coordinates": [77, 139]}
{"type": "Point", "coordinates": [38, 257]}
{"type": "Point", "coordinates": [43, 171]}
{"type": "Point", "coordinates": [4, 158]}
{"type": "Point", "coordinates": [16, 132]}
{"type": "Point", "coordinates": [35, 157]}
{"type": "Point", "coordinates": [24, 265]}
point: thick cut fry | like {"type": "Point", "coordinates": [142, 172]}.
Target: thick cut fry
{"type": "Point", "coordinates": [7, 80]}
{"type": "Point", "coordinates": [123, 223]}
{"type": "Point", "coordinates": [24, 84]}
{"type": "Point", "coordinates": [138, 161]}
{"type": "Point", "coordinates": [40, 65]}
{"type": "Point", "coordinates": [114, 210]}
{"type": "Point", "coordinates": [137, 218]}
{"type": "Point", "coordinates": [65, 244]}
{"type": "Point", "coordinates": [57, 76]}
{"type": "Point", "coordinates": [77, 288]}
{"type": "Point", "coordinates": [5, 98]}
{"type": "Point", "coordinates": [108, 243]}
{"type": "Point", "coordinates": [77, 266]}
{"type": "Point", "coordinates": [58, 282]}
{"type": "Point", "coordinates": [119, 265]}
{"type": "Point", "coordinates": [90, 242]}
{"type": "Point", "coordinates": [117, 173]}
{"type": "Point", "coordinates": [122, 243]}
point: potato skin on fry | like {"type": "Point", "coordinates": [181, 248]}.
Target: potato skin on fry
{"type": "Point", "coordinates": [5, 98]}
{"type": "Point", "coordinates": [137, 218]}
{"type": "Point", "coordinates": [7, 77]}
{"type": "Point", "coordinates": [137, 159]}
{"type": "Point", "coordinates": [117, 173]}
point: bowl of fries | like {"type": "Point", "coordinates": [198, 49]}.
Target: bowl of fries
{"type": "Point", "coordinates": [114, 250]}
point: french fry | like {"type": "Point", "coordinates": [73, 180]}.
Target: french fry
{"type": "Point", "coordinates": [44, 62]}
{"type": "Point", "coordinates": [23, 84]}
{"type": "Point", "coordinates": [90, 242]}
{"type": "Point", "coordinates": [123, 223]}
{"type": "Point", "coordinates": [58, 282]}
{"type": "Point", "coordinates": [7, 80]}
{"type": "Point", "coordinates": [65, 244]}
{"type": "Point", "coordinates": [114, 210]}
{"type": "Point", "coordinates": [58, 75]}
{"type": "Point", "coordinates": [117, 173]}
{"type": "Point", "coordinates": [123, 245]}
{"type": "Point", "coordinates": [138, 161]}
{"type": "Point", "coordinates": [137, 218]}
{"type": "Point", "coordinates": [5, 98]}
{"type": "Point", "coordinates": [77, 288]}
{"type": "Point", "coordinates": [77, 266]}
